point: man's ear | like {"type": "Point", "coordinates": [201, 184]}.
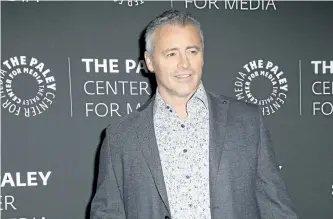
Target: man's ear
{"type": "Point", "coordinates": [149, 61]}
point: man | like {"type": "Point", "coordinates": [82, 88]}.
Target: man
{"type": "Point", "coordinates": [188, 153]}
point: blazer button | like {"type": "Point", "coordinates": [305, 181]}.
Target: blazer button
{"type": "Point", "coordinates": [166, 217]}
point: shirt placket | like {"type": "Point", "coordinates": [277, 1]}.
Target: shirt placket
{"type": "Point", "coordinates": [190, 154]}
{"type": "Point", "coordinates": [179, 197]}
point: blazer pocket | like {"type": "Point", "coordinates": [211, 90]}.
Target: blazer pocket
{"type": "Point", "coordinates": [228, 146]}
{"type": "Point", "coordinates": [241, 141]}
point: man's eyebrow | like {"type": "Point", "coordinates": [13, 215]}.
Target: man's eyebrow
{"type": "Point", "coordinates": [193, 47]}
{"type": "Point", "coordinates": [170, 49]}
{"type": "Point", "coordinates": [175, 49]}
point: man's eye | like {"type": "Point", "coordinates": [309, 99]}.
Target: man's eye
{"type": "Point", "coordinates": [171, 54]}
{"type": "Point", "coordinates": [193, 51]}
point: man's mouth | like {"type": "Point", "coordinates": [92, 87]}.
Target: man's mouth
{"type": "Point", "coordinates": [183, 76]}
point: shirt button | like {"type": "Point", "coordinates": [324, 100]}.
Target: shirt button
{"type": "Point", "coordinates": [182, 125]}
{"type": "Point", "coordinates": [167, 107]}
{"type": "Point", "coordinates": [190, 205]}
{"type": "Point", "coordinates": [170, 111]}
{"type": "Point", "coordinates": [187, 176]}
{"type": "Point", "coordinates": [185, 150]}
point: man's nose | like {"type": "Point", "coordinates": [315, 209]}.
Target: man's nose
{"type": "Point", "coordinates": [183, 62]}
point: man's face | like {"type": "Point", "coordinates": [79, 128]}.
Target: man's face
{"type": "Point", "coordinates": [177, 59]}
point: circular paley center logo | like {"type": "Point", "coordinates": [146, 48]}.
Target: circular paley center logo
{"type": "Point", "coordinates": [26, 86]}
{"type": "Point", "coordinates": [130, 2]}
{"type": "Point", "coordinates": [262, 83]}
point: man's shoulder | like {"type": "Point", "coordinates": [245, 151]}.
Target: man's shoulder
{"type": "Point", "coordinates": [125, 125]}
{"type": "Point", "coordinates": [235, 105]}
{"type": "Point", "coordinates": [128, 122]}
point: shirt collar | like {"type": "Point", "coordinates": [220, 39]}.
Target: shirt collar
{"type": "Point", "coordinates": [199, 94]}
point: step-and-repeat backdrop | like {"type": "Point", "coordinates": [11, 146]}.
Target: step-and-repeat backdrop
{"type": "Point", "coordinates": [68, 69]}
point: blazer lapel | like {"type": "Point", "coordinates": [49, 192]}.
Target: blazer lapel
{"type": "Point", "coordinates": [148, 143]}
{"type": "Point", "coordinates": [218, 110]}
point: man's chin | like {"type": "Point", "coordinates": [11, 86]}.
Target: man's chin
{"type": "Point", "coordinates": [185, 92]}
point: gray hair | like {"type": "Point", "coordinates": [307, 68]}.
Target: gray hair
{"type": "Point", "coordinates": [169, 17]}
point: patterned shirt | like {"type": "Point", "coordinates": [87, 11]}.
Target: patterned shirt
{"type": "Point", "coordinates": [184, 151]}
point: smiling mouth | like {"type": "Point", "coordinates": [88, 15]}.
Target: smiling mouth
{"type": "Point", "coordinates": [183, 76]}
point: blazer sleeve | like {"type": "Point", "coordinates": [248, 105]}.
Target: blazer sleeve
{"type": "Point", "coordinates": [271, 192]}
{"type": "Point", "coordinates": [107, 202]}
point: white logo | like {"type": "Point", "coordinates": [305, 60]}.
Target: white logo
{"type": "Point", "coordinates": [276, 95]}
{"type": "Point", "coordinates": [22, 102]}
{"type": "Point", "coordinates": [130, 2]}
{"type": "Point", "coordinates": [243, 5]}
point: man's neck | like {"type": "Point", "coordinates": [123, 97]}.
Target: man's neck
{"type": "Point", "coordinates": [177, 103]}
